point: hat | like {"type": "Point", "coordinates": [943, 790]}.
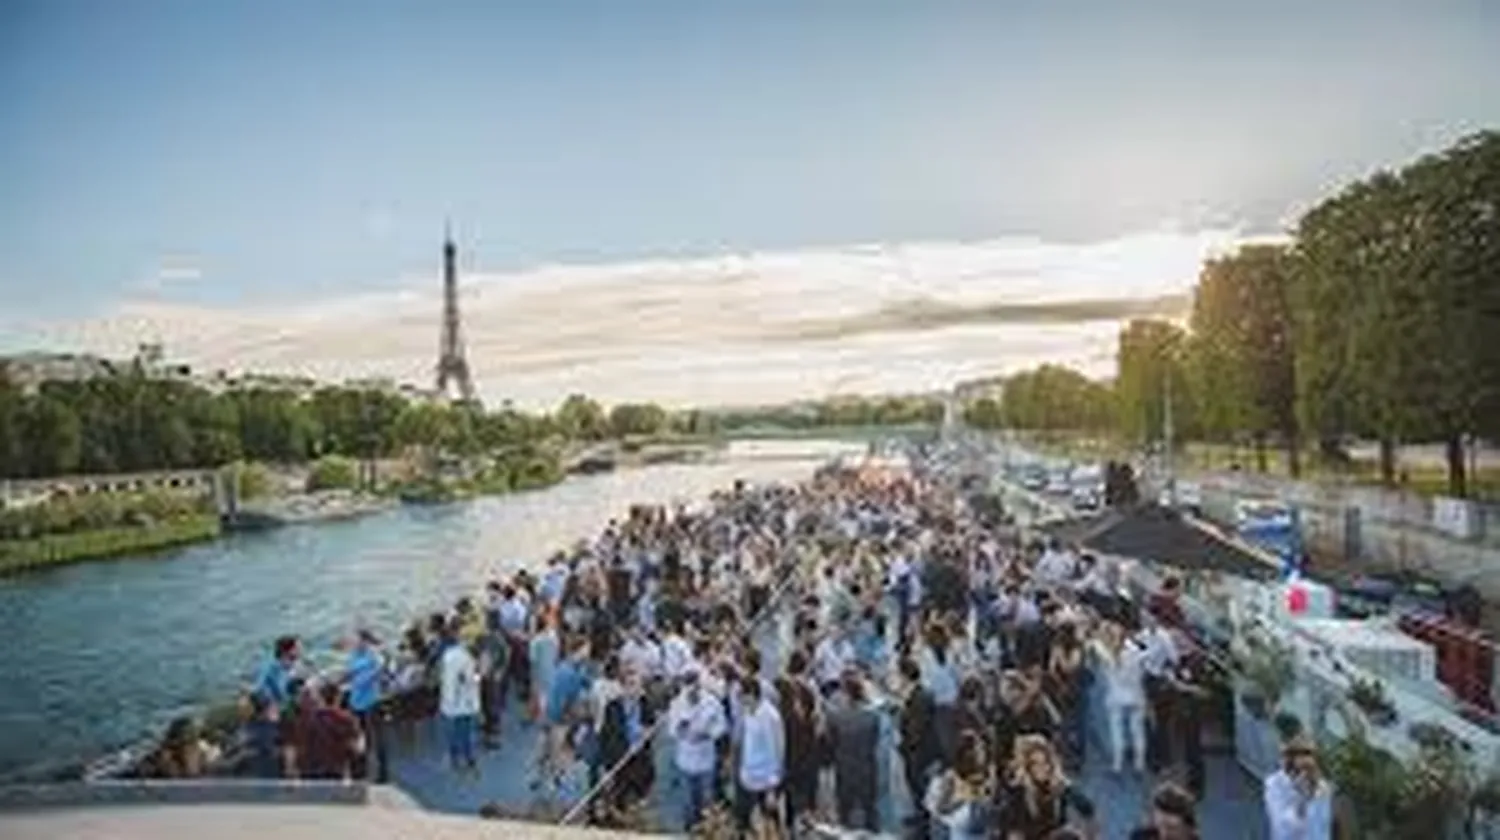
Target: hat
{"type": "Point", "coordinates": [1298, 745]}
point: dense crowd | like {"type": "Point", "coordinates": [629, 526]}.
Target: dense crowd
{"type": "Point", "coordinates": [776, 638]}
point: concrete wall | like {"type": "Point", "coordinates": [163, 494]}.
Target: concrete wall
{"type": "Point", "coordinates": [184, 792]}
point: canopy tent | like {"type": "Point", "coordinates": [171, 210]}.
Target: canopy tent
{"type": "Point", "coordinates": [1164, 536]}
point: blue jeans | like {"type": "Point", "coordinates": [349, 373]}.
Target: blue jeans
{"type": "Point", "coordinates": [700, 789]}
{"type": "Point", "coordinates": [460, 732]}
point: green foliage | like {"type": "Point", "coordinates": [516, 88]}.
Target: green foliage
{"type": "Point", "coordinates": [1152, 360]}
{"type": "Point", "coordinates": [333, 472]}
{"type": "Point", "coordinates": [1394, 297]}
{"type": "Point", "coordinates": [1048, 398]}
{"type": "Point", "coordinates": [843, 411]}
{"type": "Point", "coordinates": [253, 478]}
{"type": "Point", "coordinates": [580, 418]}
{"type": "Point", "coordinates": [55, 549]}
{"type": "Point", "coordinates": [73, 514]}
{"type": "Point", "coordinates": [1385, 798]}
{"type": "Point", "coordinates": [629, 419]}
{"type": "Point", "coordinates": [131, 422]}
{"type": "Point", "coordinates": [1240, 355]}
{"type": "Point", "coordinates": [1268, 666]}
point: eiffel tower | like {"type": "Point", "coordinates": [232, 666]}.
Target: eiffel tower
{"type": "Point", "coordinates": [452, 366]}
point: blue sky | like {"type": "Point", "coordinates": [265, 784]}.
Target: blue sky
{"type": "Point", "coordinates": [232, 153]}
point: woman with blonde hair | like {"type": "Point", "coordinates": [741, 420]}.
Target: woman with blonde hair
{"type": "Point", "coordinates": [1039, 798]}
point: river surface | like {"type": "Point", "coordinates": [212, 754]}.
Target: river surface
{"type": "Point", "coordinates": [97, 655]}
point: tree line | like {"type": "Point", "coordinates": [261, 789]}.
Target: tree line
{"type": "Point", "coordinates": [1379, 319]}
{"type": "Point", "coordinates": [133, 422]}
{"type": "Point", "coordinates": [842, 411]}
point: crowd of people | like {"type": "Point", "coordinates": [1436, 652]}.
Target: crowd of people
{"type": "Point", "coordinates": [775, 641]}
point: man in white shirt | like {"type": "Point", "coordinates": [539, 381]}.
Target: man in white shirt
{"type": "Point", "coordinates": [676, 654]}
{"type": "Point", "coordinates": [697, 722]}
{"type": "Point", "coordinates": [458, 700]}
{"type": "Point", "coordinates": [1298, 800]}
{"type": "Point", "coordinates": [641, 657]}
{"type": "Point", "coordinates": [833, 656]}
{"type": "Point", "coordinates": [1158, 660]}
{"type": "Point", "coordinates": [1057, 565]}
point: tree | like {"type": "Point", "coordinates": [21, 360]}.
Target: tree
{"type": "Point", "coordinates": [581, 418]}
{"type": "Point", "coordinates": [637, 419]}
{"type": "Point", "coordinates": [333, 472]}
{"type": "Point", "coordinates": [52, 438]}
{"type": "Point", "coordinates": [984, 413]}
{"type": "Point", "coordinates": [1240, 356]}
{"type": "Point", "coordinates": [1152, 365]}
{"type": "Point", "coordinates": [1395, 300]}
{"type": "Point", "coordinates": [1053, 398]}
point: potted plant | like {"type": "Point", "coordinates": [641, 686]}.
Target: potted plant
{"type": "Point", "coordinates": [1369, 697]}
{"type": "Point", "coordinates": [1269, 670]}
{"type": "Point", "coordinates": [1484, 803]}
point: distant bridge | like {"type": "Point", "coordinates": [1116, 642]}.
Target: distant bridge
{"type": "Point", "coordinates": [30, 491]}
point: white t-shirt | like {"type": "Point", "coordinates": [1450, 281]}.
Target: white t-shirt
{"type": "Point", "coordinates": [642, 658]}
{"type": "Point", "coordinates": [695, 727]}
{"type": "Point", "coordinates": [676, 655]}
{"type": "Point", "coordinates": [831, 657]}
{"type": "Point", "coordinates": [458, 691]}
{"type": "Point", "coordinates": [1123, 675]}
{"type": "Point", "coordinates": [1056, 567]}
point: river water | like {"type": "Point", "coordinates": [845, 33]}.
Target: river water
{"type": "Point", "coordinates": [97, 655]}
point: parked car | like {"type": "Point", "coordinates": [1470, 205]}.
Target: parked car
{"type": "Point", "coordinates": [1087, 499]}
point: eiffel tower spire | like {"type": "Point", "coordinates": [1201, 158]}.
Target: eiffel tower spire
{"type": "Point", "coordinates": [452, 366]}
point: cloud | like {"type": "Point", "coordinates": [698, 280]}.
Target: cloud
{"type": "Point", "coordinates": [922, 314]}
{"type": "Point", "coordinates": [736, 328]}
{"type": "Point", "coordinates": [170, 273]}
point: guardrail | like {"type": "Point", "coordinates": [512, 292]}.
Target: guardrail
{"type": "Point", "coordinates": [205, 791]}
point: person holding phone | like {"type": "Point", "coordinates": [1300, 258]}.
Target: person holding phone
{"type": "Point", "coordinates": [1299, 800]}
{"type": "Point", "coordinates": [697, 722]}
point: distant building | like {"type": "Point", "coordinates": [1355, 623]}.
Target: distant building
{"type": "Point", "coordinates": [29, 371]}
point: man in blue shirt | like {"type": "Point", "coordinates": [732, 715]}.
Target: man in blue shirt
{"type": "Point", "coordinates": [273, 682]}
{"type": "Point", "coordinates": [569, 685]}
{"type": "Point", "coordinates": [364, 675]}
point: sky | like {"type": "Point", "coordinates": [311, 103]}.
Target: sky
{"type": "Point", "coordinates": [170, 161]}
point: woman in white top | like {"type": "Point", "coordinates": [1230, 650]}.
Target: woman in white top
{"type": "Point", "coordinates": [1120, 664]}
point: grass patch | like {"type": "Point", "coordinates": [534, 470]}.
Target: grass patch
{"type": "Point", "coordinates": [62, 549]}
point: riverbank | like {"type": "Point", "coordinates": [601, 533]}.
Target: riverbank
{"type": "Point", "coordinates": [53, 550]}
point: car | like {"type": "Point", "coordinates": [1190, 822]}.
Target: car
{"type": "Point", "coordinates": [1087, 499]}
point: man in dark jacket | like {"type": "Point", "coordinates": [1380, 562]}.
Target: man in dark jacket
{"type": "Point", "coordinates": [918, 745]}
{"type": "Point", "coordinates": [853, 736]}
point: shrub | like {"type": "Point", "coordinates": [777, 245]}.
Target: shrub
{"type": "Point", "coordinates": [332, 472]}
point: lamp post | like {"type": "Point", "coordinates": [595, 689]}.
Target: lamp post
{"type": "Point", "coordinates": [1167, 435]}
